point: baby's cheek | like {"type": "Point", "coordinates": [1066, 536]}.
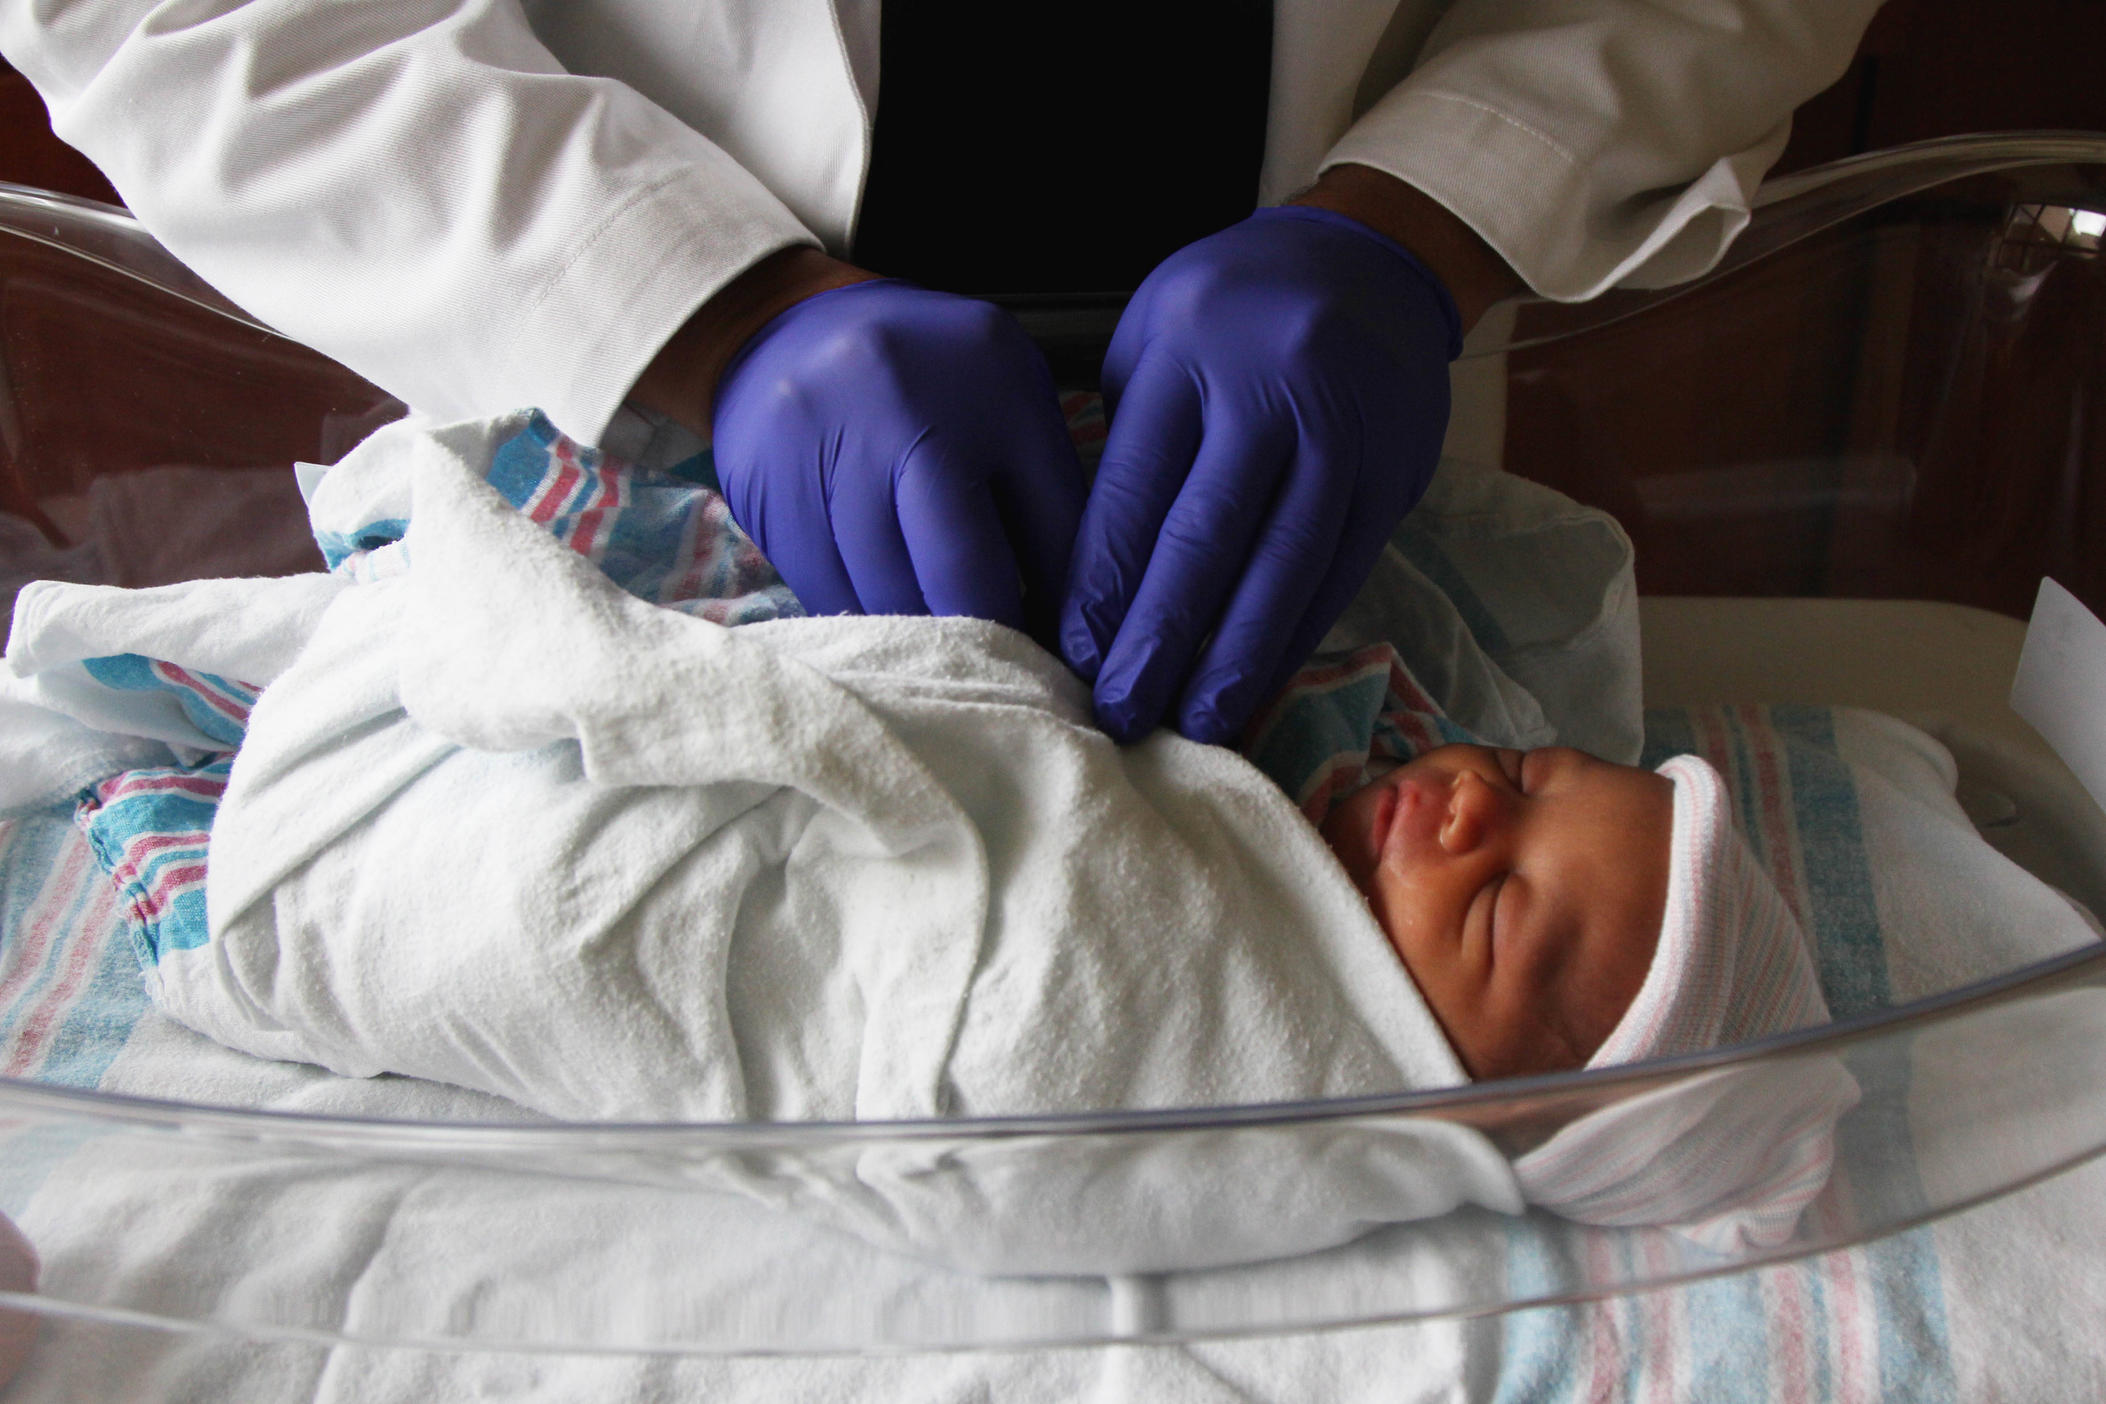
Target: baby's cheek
{"type": "Point", "coordinates": [1532, 1039]}
{"type": "Point", "coordinates": [1339, 831]}
{"type": "Point", "coordinates": [1412, 917]}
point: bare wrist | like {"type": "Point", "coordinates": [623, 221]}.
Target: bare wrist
{"type": "Point", "coordinates": [681, 381]}
{"type": "Point", "coordinates": [1474, 274]}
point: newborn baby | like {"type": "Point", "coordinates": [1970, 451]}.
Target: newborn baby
{"type": "Point", "coordinates": [612, 861]}
{"type": "Point", "coordinates": [1545, 905]}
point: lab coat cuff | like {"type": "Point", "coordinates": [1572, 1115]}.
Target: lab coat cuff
{"type": "Point", "coordinates": [1543, 206]}
{"type": "Point", "coordinates": [634, 281]}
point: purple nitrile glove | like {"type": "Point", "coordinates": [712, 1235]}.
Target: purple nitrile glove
{"type": "Point", "coordinates": [898, 451]}
{"type": "Point", "coordinates": [1278, 392]}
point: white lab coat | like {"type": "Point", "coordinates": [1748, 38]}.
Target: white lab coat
{"type": "Point", "coordinates": [483, 204]}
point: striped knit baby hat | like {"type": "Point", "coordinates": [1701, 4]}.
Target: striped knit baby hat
{"type": "Point", "coordinates": [1732, 963]}
{"type": "Point", "coordinates": [1730, 1157]}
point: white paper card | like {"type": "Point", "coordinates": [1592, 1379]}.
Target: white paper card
{"type": "Point", "coordinates": [2061, 684]}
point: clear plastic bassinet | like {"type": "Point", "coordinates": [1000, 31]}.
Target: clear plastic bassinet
{"type": "Point", "coordinates": [1899, 396]}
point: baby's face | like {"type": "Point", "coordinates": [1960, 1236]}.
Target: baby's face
{"type": "Point", "coordinates": [1524, 891]}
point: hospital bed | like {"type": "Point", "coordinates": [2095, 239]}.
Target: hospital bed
{"type": "Point", "coordinates": [202, 1219]}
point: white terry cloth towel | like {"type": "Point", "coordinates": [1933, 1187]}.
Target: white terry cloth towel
{"type": "Point", "coordinates": [62, 727]}
{"type": "Point", "coordinates": [504, 826]}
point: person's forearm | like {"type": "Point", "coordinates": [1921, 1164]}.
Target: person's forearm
{"type": "Point", "coordinates": [681, 380]}
{"type": "Point", "coordinates": [1476, 277]}
{"type": "Point", "coordinates": [1598, 143]}
{"type": "Point", "coordinates": [423, 194]}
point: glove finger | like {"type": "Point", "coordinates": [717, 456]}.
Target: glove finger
{"type": "Point", "coordinates": [1123, 355]}
{"type": "Point", "coordinates": [864, 514]}
{"type": "Point", "coordinates": [1296, 566]}
{"type": "Point", "coordinates": [953, 534]}
{"type": "Point", "coordinates": [1039, 493]}
{"type": "Point", "coordinates": [1368, 528]}
{"type": "Point", "coordinates": [1198, 560]}
{"type": "Point", "coordinates": [1148, 453]}
{"type": "Point", "coordinates": [798, 543]}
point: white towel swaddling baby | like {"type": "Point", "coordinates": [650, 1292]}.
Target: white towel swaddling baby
{"type": "Point", "coordinates": [503, 825]}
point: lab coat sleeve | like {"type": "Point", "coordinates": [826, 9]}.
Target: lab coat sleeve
{"type": "Point", "coordinates": [1604, 142]}
{"type": "Point", "coordinates": [416, 188]}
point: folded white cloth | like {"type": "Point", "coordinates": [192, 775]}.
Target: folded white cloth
{"type": "Point", "coordinates": [504, 826]}
{"type": "Point", "coordinates": [68, 712]}
{"type": "Point", "coordinates": [921, 882]}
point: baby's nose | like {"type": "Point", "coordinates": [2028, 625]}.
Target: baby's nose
{"type": "Point", "coordinates": [1475, 812]}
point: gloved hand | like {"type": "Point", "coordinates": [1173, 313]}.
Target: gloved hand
{"type": "Point", "coordinates": [898, 451]}
{"type": "Point", "coordinates": [1278, 393]}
